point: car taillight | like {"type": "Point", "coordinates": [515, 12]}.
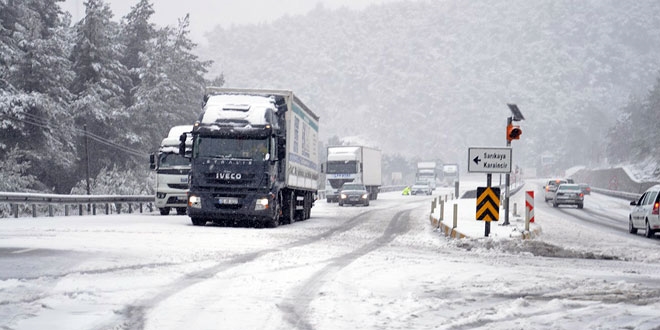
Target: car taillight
{"type": "Point", "coordinates": [656, 208]}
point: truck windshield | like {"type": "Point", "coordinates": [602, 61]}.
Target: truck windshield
{"type": "Point", "coordinates": [172, 159]}
{"type": "Point", "coordinates": [231, 148]}
{"type": "Point", "coordinates": [342, 167]}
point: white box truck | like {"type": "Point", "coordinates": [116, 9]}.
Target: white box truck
{"type": "Point", "coordinates": [426, 172]}
{"type": "Point", "coordinates": [254, 158]}
{"type": "Point", "coordinates": [357, 164]}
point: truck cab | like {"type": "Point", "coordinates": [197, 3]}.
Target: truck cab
{"type": "Point", "coordinates": [171, 173]}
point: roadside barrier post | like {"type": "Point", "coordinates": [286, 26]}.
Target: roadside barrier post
{"type": "Point", "coordinates": [442, 210]}
{"type": "Point", "coordinates": [455, 216]}
{"type": "Point", "coordinates": [529, 208]}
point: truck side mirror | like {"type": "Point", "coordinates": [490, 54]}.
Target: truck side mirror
{"type": "Point", "coordinates": [152, 162]}
{"type": "Point", "coordinates": [182, 144]}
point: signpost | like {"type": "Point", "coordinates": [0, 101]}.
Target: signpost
{"type": "Point", "coordinates": [489, 160]}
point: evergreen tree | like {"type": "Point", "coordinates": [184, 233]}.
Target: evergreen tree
{"type": "Point", "coordinates": [98, 89]}
{"type": "Point", "coordinates": [34, 33]}
{"type": "Point", "coordinates": [137, 34]}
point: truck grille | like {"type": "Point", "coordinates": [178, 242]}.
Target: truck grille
{"type": "Point", "coordinates": [244, 180]}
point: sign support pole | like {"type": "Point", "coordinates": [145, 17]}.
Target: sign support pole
{"type": "Point", "coordinates": [509, 120]}
{"type": "Point", "coordinates": [489, 178]}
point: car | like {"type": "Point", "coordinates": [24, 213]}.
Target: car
{"type": "Point", "coordinates": [644, 213]}
{"type": "Point", "coordinates": [551, 187]}
{"type": "Point", "coordinates": [421, 187]}
{"type": "Point", "coordinates": [354, 194]}
{"type": "Point", "coordinates": [586, 189]}
{"type": "Point", "coordinates": [568, 193]}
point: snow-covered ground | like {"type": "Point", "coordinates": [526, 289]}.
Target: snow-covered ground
{"type": "Point", "coordinates": [377, 267]}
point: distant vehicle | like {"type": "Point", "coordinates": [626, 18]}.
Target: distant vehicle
{"type": "Point", "coordinates": [644, 213]}
{"type": "Point", "coordinates": [449, 174]}
{"type": "Point", "coordinates": [426, 171]}
{"type": "Point", "coordinates": [172, 172]}
{"type": "Point", "coordinates": [568, 193]}
{"type": "Point", "coordinates": [353, 193]}
{"type": "Point", "coordinates": [357, 164]}
{"type": "Point", "coordinates": [421, 187]}
{"type": "Point", "coordinates": [586, 189]}
{"type": "Point", "coordinates": [569, 180]}
{"type": "Point", "coordinates": [551, 187]}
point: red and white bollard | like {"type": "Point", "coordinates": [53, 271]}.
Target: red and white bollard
{"type": "Point", "coordinates": [529, 208]}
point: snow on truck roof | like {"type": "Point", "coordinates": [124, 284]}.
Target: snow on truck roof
{"type": "Point", "coordinates": [176, 131]}
{"type": "Point", "coordinates": [251, 108]}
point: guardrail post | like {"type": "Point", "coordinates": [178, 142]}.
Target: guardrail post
{"type": "Point", "coordinates": [455, 216]}
{"type": "Point", "coordinates": [442, 210]}
{"type": "Point", "coordinates": [34, 211]}
{"type": "Point", "coordinates": [130, 208]}
{"type": "Point", "coordinates": [93, 209]}
{"type": "Point", "coordinates": [50, 210]}
{"type": "Point", "coordinates": [118, 205]}
{"type": "Point", "coordinates": [107, 209]}
{"type": "Point", "coordinates": [80, 209]}
{"type": "Point", "coordinates": [66, 210]}
{"type": "Point", "coordinates": [140, 207]}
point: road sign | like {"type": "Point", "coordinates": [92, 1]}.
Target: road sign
{"type": "Point", "coordinates": [488, 203]}
{"type": "Point", "coordinates": [489, 160]}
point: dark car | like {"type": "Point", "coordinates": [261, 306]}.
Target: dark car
{"type": "Point", "coordinates": [586, 189]}
{"type": "Point", "coordinates": [568, 193]}
{"type": "Point", "coordinates": [354, 194]}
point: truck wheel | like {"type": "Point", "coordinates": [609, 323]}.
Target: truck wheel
{"type": "Point", "coordinates": [289, 208]}
{"type": "Point", "coordinates": [181, 210]}
{"type": "Point", "coordinates": [275, 221]}
{"type": "Point", "coordinates": [164, 210]}
{"type": "Point", "coordinates": [198, 222]}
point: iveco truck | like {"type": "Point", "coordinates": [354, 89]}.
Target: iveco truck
{"type": "Point", "coordinates": [254, 158]}
{"type": "Point", "coordinates": [358, 164]}
{"type": "Point", "coordinates": [171, 173]}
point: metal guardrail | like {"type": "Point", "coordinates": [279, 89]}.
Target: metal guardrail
{"type": "Point", "coordinates": [15, 198]}
{"type": "Point", "coordinates": [620, 194]}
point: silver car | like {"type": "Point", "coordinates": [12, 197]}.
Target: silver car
{"type": "Point", "coordinates": [645, 213]}
{"type": "Point", "coordinates": [421, 187]}
{"type": "Point", "coordinates": [568, 193]}
{"type": "Point", "coordinates": [551, 187]}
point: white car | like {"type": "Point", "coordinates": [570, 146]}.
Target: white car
{"type": "Point", "coordinates": [644, 213]}
{"type": "Point", "coordinates": [421, 187]}
{"type": "Point", "coordinates": [551, 187]}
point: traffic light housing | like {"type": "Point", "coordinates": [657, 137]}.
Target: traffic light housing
{"type": "Point", "coordinates": [513, 132]}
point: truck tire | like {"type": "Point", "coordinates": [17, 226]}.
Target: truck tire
{"type": "Point", "coordinates": [164, 211]}
{"type": "Point", "coordinates": [275, 221]}
{"type": "Point", "coordinates": [198, 222]}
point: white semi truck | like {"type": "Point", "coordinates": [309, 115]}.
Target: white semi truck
{"type": "Point", "coordinates": [357, 164]}
{"type": "Point", "coordinates": [171, 173]}
{"type": "Point", "coordinates": [426, 171]}
{"type": "Point", "coordinates": [450, 175]}
{"type": "Point", "coordinates": [254, 158]}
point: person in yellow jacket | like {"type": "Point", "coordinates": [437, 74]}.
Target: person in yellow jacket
{"type": "Point", "coordinates": [406, 191]}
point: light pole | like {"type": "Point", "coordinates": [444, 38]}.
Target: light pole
{"type": "Point", "coordinates": [512, 133]}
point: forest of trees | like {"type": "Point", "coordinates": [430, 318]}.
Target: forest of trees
{"type": "Point", "coordinates": [94, 97]}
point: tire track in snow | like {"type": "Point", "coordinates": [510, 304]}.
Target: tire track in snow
{"type": "Point", "coordinates": [297, 304]}
{"type": "Point", "coordinates": [133, 316]}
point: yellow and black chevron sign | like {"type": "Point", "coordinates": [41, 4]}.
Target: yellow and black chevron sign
{"type": "Point", "coordinates": [488, 203]}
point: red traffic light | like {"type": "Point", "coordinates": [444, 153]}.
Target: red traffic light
{"type": "Point", "coordinates": [513, 132]}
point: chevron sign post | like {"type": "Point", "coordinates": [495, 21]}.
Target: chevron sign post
{"type": "Point", "coordinates": [488, 205]}
{"type": "Point", "coordinates": [529, 208]}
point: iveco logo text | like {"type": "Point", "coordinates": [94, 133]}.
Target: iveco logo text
{"type": "Point", "coordinates": [228, 176]}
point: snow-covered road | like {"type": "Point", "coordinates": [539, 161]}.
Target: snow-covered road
{"type": "Point", "coordinates": [377, 267]}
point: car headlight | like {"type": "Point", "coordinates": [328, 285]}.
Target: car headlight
{"type": "Point", "coordinates": [195, 201]}
{"type": "Point", "coordinates": [365, 196]}
{"type": "Point", "coordinates": [262, 204]}
{"type": "Point", "coordinates": [343, 196]}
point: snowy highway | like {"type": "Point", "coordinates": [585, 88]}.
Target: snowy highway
{"type": "Point", "coordinates": [376, 267]}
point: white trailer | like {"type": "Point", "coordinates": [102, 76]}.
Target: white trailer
{"type": "Point", "coordinates": [358, 164]}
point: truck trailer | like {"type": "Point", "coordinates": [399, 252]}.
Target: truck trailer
{"type": "Point", "coordinates": [254, 158]}
{"type": "Point", "coordinates": [171, 172]}
{"type": "Point", "coordinates": [357, 164]}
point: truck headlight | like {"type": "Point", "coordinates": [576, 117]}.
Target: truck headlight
{"type": "Point", "coordinates": [343, 196]}
{"type": "Point", "coordinates": [365, 196]}
{"type": "Point", "coordinates": [195, 201]}
{"type": "Point", "coordinates": [160, 195]}
{"type": "Point", "coordinates": [262, 204]}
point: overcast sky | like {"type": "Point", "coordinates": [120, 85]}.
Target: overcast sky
{"type": "Point", "coordinates": [206, 14]}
